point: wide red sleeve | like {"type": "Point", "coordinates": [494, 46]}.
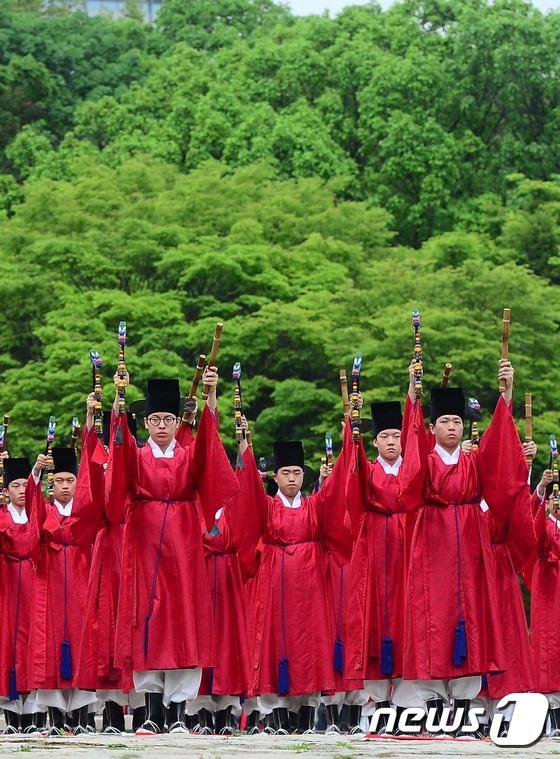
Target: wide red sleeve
{"type": "Point", "coordinates": [330, 502]}
{"type": "Point", "coordinates": [87, 508]}
{"type": "Point", "coordinates": [249, 512]}
{"type": "Point", "coordinates": [36, 510]}
{"type": "Point", "coordinates": [185, 436]}
{"type": "Point", "coordinates": [503, 473]}
{"type": "Point", "coordinates": [120, 477]}
{"type": "Point", "coordinates": [214, 478]}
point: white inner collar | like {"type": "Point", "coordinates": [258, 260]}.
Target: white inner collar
{"type": "Point", "coordinates": [390, 468]}
{"type": "Point", "coordinates": [16, 516]}
{"type": "Point", "coordinates": [448, 458]}
{"type": "Point", "coordinates": [64, 511]}
{"type": "Point", "coordinates": [295, 505]}
{"type": "Point", "coordinates": [158, 453]}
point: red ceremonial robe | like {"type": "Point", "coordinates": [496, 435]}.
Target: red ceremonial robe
{"type": "Point", "coordinates": [96, 668]}
{"type": "Point", "coordinates": [512, 537]}
{"type": "Point", "coordinates": [230, 676]}
{"type": "Point", "coordinates": [451, 591]}
{"type": "Point", "coordinates": [164, 615]}
{"type": "Point", "coordinates": [62, 576]}
{"type": "Point", "coordinates": [292, 613]}
{"type": "Point", "coordinates": [377, 503]}
{"type": "Point", "coordinates": [545, 603]}
{"type": "Point", "coordinates": [19, 545]}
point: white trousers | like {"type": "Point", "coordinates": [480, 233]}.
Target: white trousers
{"type": "Point", "coordinates": [177, 685]}
{"type": "Point", "coordinates": [269, 701]}
{"type": "Point", "coordinates": [133, 699]}
{"type": "Point", "coordinates": [65, 699]}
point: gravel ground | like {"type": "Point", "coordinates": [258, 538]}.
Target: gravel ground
{"type": "Point", "coordinates": [258, 747]}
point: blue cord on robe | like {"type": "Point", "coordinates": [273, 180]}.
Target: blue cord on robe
{"type": "Point", "coordinates": [387, 657]}
{"type": "Point", "coordinates": [460, 646]}
{"type": "Point", "coordinates": [338, 661]}
{"type": "Point", "coordinates": [66, 660]}
{"type": "Point", "coordinates": [13, 694]}
{"type": "Point", "coordinates": [283, 677]}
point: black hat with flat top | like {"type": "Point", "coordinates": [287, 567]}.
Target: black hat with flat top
{"type": "Point", "coordinates": [385, 415]}
{"type": "Point", "coordinates": [16, 469]}
{"type": "Point", "coordinates": [64, 460]}
{"type": "Point", "coordinates": [162, 395]}
{"type": "Point", "coordinates": [447, 401]}
{"type": "Point", "coordinates": [288, 453]}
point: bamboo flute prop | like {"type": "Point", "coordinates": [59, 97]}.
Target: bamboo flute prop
{"type": "Point", "coordinates": [474, 416]}
{"type": "Point", "coordinates": [51, 432]}
{"type": "Point", "coordinates": [528, 417]}
{"type": "Point", "coordinates": [213, 355]}
{"type": "Point", "coordinates": [445, 376]}
{"type": "Point", "coordinates": [121, 368]}
{"type": "Point", "coordinates": [417, 355]}
{"type": "Point", "coordinates": [344, 392]}
{"type": "Point", "coordinates": [554, 467]}
{"type": "Point", "coordinates": [75, 432]}
{"type": "Point", "coordinates": [355, 399]}
{"type": "Point", "coordinates": [3, 436]}
{"type": "Point", "coordinates": [197, 376]}
{"type": "Point", "coordinates": [237, 403]}
{"type": "Point", "coordinates": [506, 321]}
{"type": "Point", "coordinates": [96, 365]}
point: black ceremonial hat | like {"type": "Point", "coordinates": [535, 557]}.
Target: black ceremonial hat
{"type": "Point", "coordinates": [385, 415]}
{"type": "Point", "coordinates": [130, 418]}
{"type": "Point", "coordinates": [163, 395]}
{"type": "Point", "coordinates": [64, 460]}
{"type": "Point", "coordinates": [447, 400]}
{"type": "Point", "coordinates": [288, 453]}
{"type": "Point", "coordinates": [16, 469]}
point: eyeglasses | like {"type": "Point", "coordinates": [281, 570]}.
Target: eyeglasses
{"type": "Point", "coordinates": [155, 420]}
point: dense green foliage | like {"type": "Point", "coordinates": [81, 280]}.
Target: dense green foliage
{"type": "Point", "coordinates": [308, 181]}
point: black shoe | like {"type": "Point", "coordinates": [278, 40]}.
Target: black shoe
{"type": "Point", "coordinates": [56, 722]}
{"type": "Point", "coordinates": [281, 720]}
{"type": "Point", "coordinates": [252, 726]}
{"type": "Point", "coordinates": [269, 724]}
{"type": "Point", "coordinates": [80, 721]}
{"type": "Point", "coordinates": [12, 722]}
{"type": "Point", "coordinates": [504, 729]}
{"type": "Point", "coordinates": [138, 717]}
{"type": "Point", "coordinates": [176, 717]}
{"type": "Point", "coordinates": [113, 719]}
{"type": "Point", "coordinates": [355, 719]}
{"type": "Point", "coordinates": [306, 721]}
{"type": "Point", "coordinates": [382, 722]}
{"type": "Point", "coordinates": [438, 704]}
{"type": "Point", "coordinates": [153, 724]}
{"type": "Point", "coordinates": [463, 703]}
{"type": "Point", "coordinates": [28, 724]}
{"type": "Point", "coordinates": [224, 722]}
{"type": "Point", "coordinates": [205, 722]}
{"type": "Point", "coordinates": [333, 726]}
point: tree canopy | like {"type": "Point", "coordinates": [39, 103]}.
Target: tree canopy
{"type": "Point", "coordinates": [307, 181]}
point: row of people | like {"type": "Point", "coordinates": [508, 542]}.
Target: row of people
{"type": "Point", "coordinates": [159, 578]}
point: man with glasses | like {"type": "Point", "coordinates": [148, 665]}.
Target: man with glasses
{"type": "Point", "coordinates": [164, 627]}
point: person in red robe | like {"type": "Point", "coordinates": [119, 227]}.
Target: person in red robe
{"type": "Point", "coordinates": [512, 538]}
{"type": "Point", "coordinates": [19, 544]}
{"type": "Point", "coordinates": [545, 602]}
{"type": "Point", "coordinates": [68, 527]}
{"type": "Point", "coordinates": [223, 686]}
{"type": "Point", "coordinates": [453, 631]}
{"type": "Point", "coordinates": [292, 631]}
{"type": "Point", "coordinates": [379, 495]}
{"type": "Point", "coordinates": [164, 632]}
{"type": "Point", "coordinates": [96, 669]}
